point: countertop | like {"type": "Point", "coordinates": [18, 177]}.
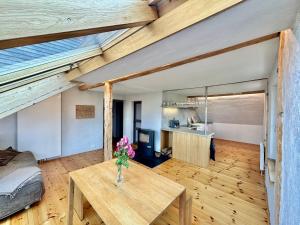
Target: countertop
{"type": "Point", "coordinates": [184, 129]}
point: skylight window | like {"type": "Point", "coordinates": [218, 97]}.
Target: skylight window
{"type": "Point", "coordinates": [21, 62]}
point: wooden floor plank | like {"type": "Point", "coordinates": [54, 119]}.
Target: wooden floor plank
{"type": "Point", "coordinates": [230, 191]}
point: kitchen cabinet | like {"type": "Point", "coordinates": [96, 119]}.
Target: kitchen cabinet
{"type": "Point", "coordinates": [191, 147]}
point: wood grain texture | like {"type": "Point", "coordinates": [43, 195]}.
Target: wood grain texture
{"type": "Point", "coordinates": [153, 2]}
{"type": "Point", "coordinates": [286, 53]}
{"type": "Point", "coordinates": [71, 202]}
{"type": "Point", "coordinates": [32, 79]}
{"type": "Point", "coordinates": [121, 37]}
{"type": "Point", "coordinates": [19, 98]}
{"type": "Point", "coordinates": [84, 87]}
{"type": "Point", "coordinates": [166, 6]}
{"type": "Point", "coordinates": [141, 199]}
{"type": "Point", "coordinates": [52, 20]}
{"type": "Point", "coordinates": [182, 208]}
{"type": "Point", "coordinates": [185, 61]}
{"type": "Point", "coordinates": [161, 28]}
{"type": "Point", "coordinates": [78, 202]}
{"type": "Point", "coordinates": [229, 191]}
{"type": "Point", "coordinates": [191, 148]}
{"type": "Point", "coordinates": [281, 56]}
{"type": "Point", "coordinates": [107, 121]}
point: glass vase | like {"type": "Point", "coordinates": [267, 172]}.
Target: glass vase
{"type": "Point", "coordinates": [119, 178]}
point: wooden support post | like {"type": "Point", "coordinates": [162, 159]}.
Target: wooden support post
{"type": "Point", "coordinates": [279, 127]}
{"type": "Point", "coordinates": [107, 121]}
{"type": "Point", "coordinates": [205, 123]}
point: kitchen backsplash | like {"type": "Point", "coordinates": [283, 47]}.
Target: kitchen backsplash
{"type": "Point", "coordinates": [178, 114]}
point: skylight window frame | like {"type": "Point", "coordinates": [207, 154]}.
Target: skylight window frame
{"type": "Point", "coordinates": [25, 71]}
{"type": "Point", "coordinates": [38, 77]}
{"type": "Point", "coordinates": [50, 63]}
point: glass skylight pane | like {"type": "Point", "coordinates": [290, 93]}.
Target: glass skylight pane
{"type": "Point", "coordinates": [19, 58]}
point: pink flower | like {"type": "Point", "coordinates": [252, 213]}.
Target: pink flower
{"type": "Point", "coordinates": [130, 152]}
{"type": "Point", "coordinates": [124, 140]}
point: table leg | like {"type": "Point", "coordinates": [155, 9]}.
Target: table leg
{"type": "Point", "coordinates": [71, 202]}
{"type": "Point", "coordinates": [78, 202]}
{"type": "Point", "coordinates": [182, 208]}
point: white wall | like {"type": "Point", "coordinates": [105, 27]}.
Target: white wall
{"type": "Point", "coordinates": [245, 133]}
{"type": "Point", "coordinates": [39, 128]}
{"type": "Point", "coordinates": [128, 119]}
{"type": "Point", "coordinates": [80, 135]}
{"type": "Point", "coordinates": [237, 118]}
{"type": "Point", "coordinates": [151, 114]}
{"type": "Point", "coordinates": [49, 128]}
{"type": "Point", "coordinates": [8, 131]}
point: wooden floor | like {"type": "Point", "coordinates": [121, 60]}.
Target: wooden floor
{"type": "Point", "coordinates": [230, 191]}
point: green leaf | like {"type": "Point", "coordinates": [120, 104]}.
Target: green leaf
{"type": "Point", "coordinates": [119, 161]}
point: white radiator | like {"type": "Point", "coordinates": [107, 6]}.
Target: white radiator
{"type": "Point", "coordinates": [262, 157]}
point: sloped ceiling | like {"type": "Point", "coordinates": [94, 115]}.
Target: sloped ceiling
{"type": "Point", "coordinates": [246, 21]}
{"type": "Point", "coordinates": [249, 63]}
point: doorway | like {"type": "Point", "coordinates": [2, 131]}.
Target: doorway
{"type": "Point", "coordinates": [117, 120]}
{"type": "Point", "coordinates": [137, 119]}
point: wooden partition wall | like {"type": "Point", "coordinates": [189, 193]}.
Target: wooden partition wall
{"type": "Point", "coordinates": [287, 50]}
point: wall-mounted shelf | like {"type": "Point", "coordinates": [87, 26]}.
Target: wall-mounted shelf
{"type": "Point", "coordinates": [182, 105]}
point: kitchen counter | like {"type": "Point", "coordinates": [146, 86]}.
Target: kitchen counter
{"type": "Point", "coordinates": [184, 129]}
{"type": "Point", "coordinates": [192, 146]}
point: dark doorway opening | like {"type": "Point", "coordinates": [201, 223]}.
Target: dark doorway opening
{"type": "Point", "coordinates": [137, 119]}
{"type": "Point", "coordinates": [117, 120]}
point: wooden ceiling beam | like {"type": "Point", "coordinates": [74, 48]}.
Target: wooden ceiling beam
{"type": "Point", "coordinates": [170, 23]}
{"type": "Point", "coordinates": [22, 97]}
{"type": "Point", "coordinates": [185, 61]}
{"type": "Point", "coordinates": [153, 2]}
{"type": "Point", "coordinates": [35, 21]}
{"type": "Point", "coordinates": [84, 86]}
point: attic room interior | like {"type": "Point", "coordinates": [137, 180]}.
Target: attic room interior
{"type": "Point", "coordinates": [136, 112]}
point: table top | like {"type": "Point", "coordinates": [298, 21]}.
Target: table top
{"type": "Point", "coordinates": [142, 197]}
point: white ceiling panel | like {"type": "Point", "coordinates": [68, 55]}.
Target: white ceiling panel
{"type": "Point", "coordinates": [249, 63]}
{"type": "Point", "coordinates": [248, 20]}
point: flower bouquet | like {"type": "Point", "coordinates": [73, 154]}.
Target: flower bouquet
{"type": "Point", "coordinates": [123, 152]}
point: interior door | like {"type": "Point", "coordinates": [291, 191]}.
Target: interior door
{"type": "Point", "coordinates": [118, 112]}
{"type": "Point", "coordinates": [137, 119]}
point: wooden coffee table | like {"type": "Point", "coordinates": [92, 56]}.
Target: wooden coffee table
{"type": "Point", "coordinates": [142, 198]}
